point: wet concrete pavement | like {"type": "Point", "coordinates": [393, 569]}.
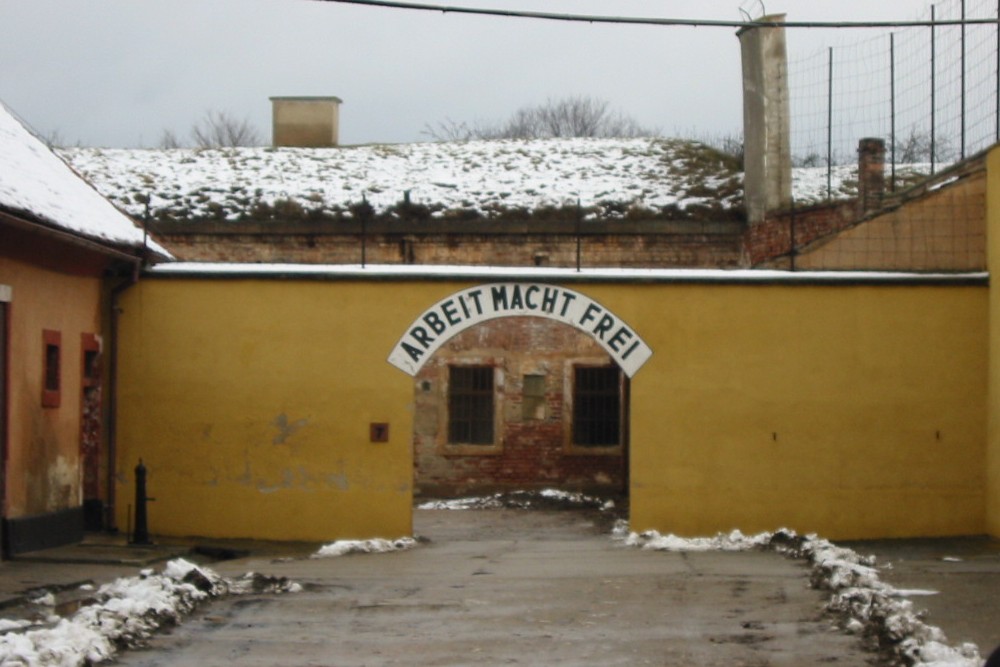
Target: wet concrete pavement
{"type": "Point", "coordinates": [516, 587]}
{"type": "Point", "coordinates": [963, 575]}
{"type": "Point", "coordinates": [530, 587]}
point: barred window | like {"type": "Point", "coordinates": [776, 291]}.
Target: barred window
{"type": "Point", "coordinates": [596, 406]}
{"type": "Point", "coordinates": [470, 405]}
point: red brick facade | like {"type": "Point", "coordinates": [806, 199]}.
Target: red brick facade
{"type": "Point", "coordinates": [533, 445]}
{"type": "Point", "coordinates": [770, 242]}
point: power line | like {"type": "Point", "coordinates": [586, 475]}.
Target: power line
{"type": "Point", "coordinates": [694, 23]}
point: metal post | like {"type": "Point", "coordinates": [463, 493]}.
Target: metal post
{"type": "Point", "coordinates": [364, 230]}
{"type": "Point", "coordinates": [579, 215]}
{"type": "Point", "coordinates": [996, 90]}
{"type": "Point", "coordinates": [141, 533]}
{"type": "Point", "coordinates": [933, 89]}
{"type": "Point", "coordinates": [892, 110]}
{"type": "Point", "coordinates": [963, 81]}
{"type": "Point", "coordinates": [829, 127]}
{"type": "Point", "coordinates": [791, 233]}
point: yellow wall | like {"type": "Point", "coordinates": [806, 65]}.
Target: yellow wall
{"type": "Point", "coordinates": [941, 231]}
{"type": "Point", "coordinates": [43, 472]}
{"type": "Point", "coordinates": [850, 411]}
{"type": "Point", "coordinates": [250, 404]}
{"type": "Point", "coordinates": [993, 262]}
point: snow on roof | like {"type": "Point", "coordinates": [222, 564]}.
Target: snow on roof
{"type": "Point", "coordinates": [605, 175]}
{"type": "Point", "coordinates": [37, 183]}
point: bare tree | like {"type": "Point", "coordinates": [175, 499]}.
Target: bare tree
{"type": "Point", "coordinates": [218, 129]}
{"type": "Point", "coordinates": [568, 117]}
{"type": "Point", "coordinates": [169, 140]}
{"type": "Point", "coordinates": [918, 147]}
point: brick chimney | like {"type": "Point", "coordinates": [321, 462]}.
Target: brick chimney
{"type": "Point", "coordinates": [871, 174]}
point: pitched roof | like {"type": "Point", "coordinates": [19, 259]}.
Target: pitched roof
{"type": "Point", "coordinates": [38, 185]}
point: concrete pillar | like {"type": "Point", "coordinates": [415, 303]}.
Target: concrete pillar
{"type": "Point", "coordinates": [871, 174]}
{"type": "Point", "coordinates": [309, 122]}
{"type": "Point", "coordinates": [767, 159]}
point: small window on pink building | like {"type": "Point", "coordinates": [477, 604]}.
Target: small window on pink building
{"type": "Point", "coordinates": [51, 372]}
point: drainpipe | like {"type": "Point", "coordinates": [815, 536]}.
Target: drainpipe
{"type": "Point", "coordinates": [116, 292]}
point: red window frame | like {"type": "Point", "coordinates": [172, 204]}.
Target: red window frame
{"type": "Point", "coordinates": [51, 368]}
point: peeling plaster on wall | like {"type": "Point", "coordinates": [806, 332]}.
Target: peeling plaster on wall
{"type": "Point", "coordinates": [299, 478]}
{"type": "Point", "coordinates": [285, 428]}
{"type": "Point", "coordinates": [338, 480]}
{"type": "Point", "coordinates": [287, 481]}
{"type": "Point", "coordinates": [63, 479]}
{"type": "Point", "coordinates": [247, 476]}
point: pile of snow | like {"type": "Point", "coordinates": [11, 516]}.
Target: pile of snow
{"type": "Point", "coordinates": [865, 604]}
{"type": "Point", "coordinates": [124, 613]}
{"type": "Point", "coordinates": [734, 541]}
{"type": "Point", "coordinates": [606, 176]}
{"type": "Point", "coordinates": [544, 499]}
{"type": "Point", "coordinates": [37, 183]}
{"type": "Point", "coordinates": [377, 545]}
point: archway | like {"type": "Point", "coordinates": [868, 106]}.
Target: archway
{"type": "Point", "coordinates": [520, 386]}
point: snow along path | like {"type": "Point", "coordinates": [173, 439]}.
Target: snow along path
{"type": "Point", "coordinates": [125, 613]}
{"type": "Point", "coordinates": [866, 605]}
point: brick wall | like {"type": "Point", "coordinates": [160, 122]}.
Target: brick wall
{"type": "Point", "coordinates": [770, 242]}
{"type": "Point", "coordinates": [624, 244]}
{"type": "Point", "coordinates": [532, 448]}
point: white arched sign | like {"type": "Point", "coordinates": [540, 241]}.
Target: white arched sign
{"type": "Point", "coordinates": [474, 305]}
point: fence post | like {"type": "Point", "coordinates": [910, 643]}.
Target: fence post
{"type": "Point", "coordinates": [579, 216]}
{"type": "Point", "coordinates": [829, 127]}
{"type": "Point", "coordinates": [892, 110]}
{"type": "Point", "coordinates": [364, 230]}
{"type": "Point", "coordinates": [933, 89]}
{"type": "Point", "coordinates": [963, 81]}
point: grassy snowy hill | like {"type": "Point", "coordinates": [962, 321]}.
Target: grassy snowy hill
{"type": "Point", "coordinates": [609, 178]}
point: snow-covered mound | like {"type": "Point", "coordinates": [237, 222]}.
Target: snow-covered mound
{"type": "Point", "coordinates": [608, 177]}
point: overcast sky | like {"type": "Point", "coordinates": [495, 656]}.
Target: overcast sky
{"type": "Point", "coordinates": [120, 72]}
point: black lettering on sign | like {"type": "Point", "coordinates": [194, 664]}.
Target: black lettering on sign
{"type": "Point", "coordinates": [516, 302]}
{"type": "Point", "coordinates": [499, 297]}
{"type": "Point", "coordinates": [473, 306]}
{"type": "Point", "coordinates": [450, 314]}
{"type": "Point", "coordinates": [528, 293]}
{"type": "Point", "coordinates": [619, 339]}
{"type": "Point", "coordinates": [549, 297]}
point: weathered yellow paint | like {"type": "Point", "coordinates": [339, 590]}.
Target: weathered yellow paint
{"type": "Point", "coordinates": [849, 411]}
{"type": "Point", "coordinates": [250, 403]}
{"type": "Point", "coordinates": [42, 466]}
{"type": "Point", "coordinates": [993, 263]}
{"type": "Point", "coordinates": [852, 411]}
